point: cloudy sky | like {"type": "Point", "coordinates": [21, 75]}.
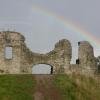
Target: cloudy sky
{"type": "Point", "coordinates": [43, 22]}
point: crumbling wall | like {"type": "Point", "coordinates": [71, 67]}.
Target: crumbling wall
{"type": "Point", "coordinates": [86, 57]}
{"type": "Point", "coordinates": [59, 58]}
{"type": "Point", "coordinates": [10, 39]}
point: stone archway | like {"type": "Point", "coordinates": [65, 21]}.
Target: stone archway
{"type": "Point", "coordinates": [42, 69]}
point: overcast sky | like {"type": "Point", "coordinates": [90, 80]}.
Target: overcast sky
{"type": "Point", "coordinates": [42, 31]}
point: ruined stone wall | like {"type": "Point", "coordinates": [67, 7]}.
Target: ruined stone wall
{"type": "Point", "coordinates": [59, 58]}
{"type": "Point", "coordinates": [87, 60]}
{"type": "Point", "coordinates": [10, 39]}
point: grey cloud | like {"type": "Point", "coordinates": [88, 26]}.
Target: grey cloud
{"type": "Point", "coordinates": [42, 31]}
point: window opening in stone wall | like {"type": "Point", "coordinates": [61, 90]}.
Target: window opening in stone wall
{"type": "Point", "coordinates": [74, 55]}
{"type": "Point", "coordinates": [8, 52]}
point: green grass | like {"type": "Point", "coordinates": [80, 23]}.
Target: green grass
{"type": "Point", "coordinates": [16, 87]}
{"type": "Point", "coordinates": [71, 87]}
{"type": "Point", "coordinates": [77, 87]}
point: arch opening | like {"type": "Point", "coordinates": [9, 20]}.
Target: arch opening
{"type": "Point", "coordinates": [42, 69]}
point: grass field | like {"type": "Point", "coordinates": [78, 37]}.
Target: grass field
{"type": "Point", "coordinates": [16, 87]}
{"type": "Point", "coordinates": [69, 87]}
{"type": "Point", "coordinates": [78, 87]}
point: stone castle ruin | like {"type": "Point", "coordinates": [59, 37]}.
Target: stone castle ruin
{"type": "Point", "coordinates": [22, 59]}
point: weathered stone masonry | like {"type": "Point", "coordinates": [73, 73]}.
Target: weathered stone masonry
{"type": "Point", "coordinates": [23, 59]}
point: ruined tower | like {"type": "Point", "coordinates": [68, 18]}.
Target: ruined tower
{"type": "Point", "coordinates": [12, 41]}
{"type": "Point", "coordinates": [86, 57]}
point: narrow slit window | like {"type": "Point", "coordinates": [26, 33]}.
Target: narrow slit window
{"type": "Point", "coordinates": [8, 52]}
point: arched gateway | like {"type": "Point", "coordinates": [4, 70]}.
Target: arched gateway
{"type": "Point", "coordinates": [23, 59]}
{"type": "Point", "coordinates": [42, 69]}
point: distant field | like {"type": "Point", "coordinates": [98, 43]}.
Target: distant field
{"type": "Point", "coordinates": [48, 87]}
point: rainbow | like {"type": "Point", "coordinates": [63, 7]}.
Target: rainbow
{"type": "Point", "coordinates": [75, 28]}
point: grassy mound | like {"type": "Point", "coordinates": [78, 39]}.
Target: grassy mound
{"type": "Point", "coordinates": [77, 87]}
{"type": "Point", "coordinates": [16, 87]}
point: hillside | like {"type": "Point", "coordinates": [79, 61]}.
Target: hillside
{"type": "Point", "coordinates": [49, 87]}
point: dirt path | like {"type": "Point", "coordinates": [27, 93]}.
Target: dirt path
{"type": "Point", "coordinates": [45, 90]}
